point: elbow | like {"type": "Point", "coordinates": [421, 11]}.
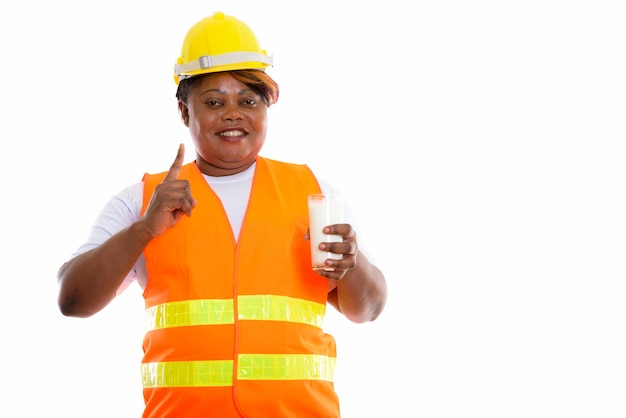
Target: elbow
{"type": "Point", "coordinates": [70, 307]}
{"type": "Point", "coordinates": [67, 309]}
{"type": "Point", "coordinates": [65, 302]}
{"type": "Point", "coordinates": [380, 305]}
{"type": "Point", "coordinates": [375, 313]}
{"type": "Point", "coordinates": [377, 306]}
{"type": "Point", "coordinates": [368, 315]}
{"type": "Point", "coordinates": [370, 300]}
{"type": "Point", "coordinates": [368, 312]}
{"type": "Point", "coordinates": [77, 305]}
{"type": "Point", "coordinates": [71, 301]}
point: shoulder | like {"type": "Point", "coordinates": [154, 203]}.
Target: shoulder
{"type": "Point", "coordinates": [158, 177]}
{"type": "Point", "coordinates": [121, 210]}
{"type": "Point", "coordinates": [286, 172]}
{"type": "Point", "coordinates": [325, 185]}
{"type": "Point", "coordinates": [129, 199]}
{"type": "Point", "coordinates": [270, 162]}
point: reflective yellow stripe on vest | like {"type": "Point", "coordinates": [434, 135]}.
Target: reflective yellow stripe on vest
{"type": "Point", "coordinates": [221, 311]}
{"type": "Point", "coordinates": [251, 367]}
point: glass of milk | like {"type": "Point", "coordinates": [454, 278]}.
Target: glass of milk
{"type": "Point", "coordinates": [324, 210]}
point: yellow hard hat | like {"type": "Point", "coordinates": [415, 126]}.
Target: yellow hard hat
{"type": "Point", "coordinates": [219, 43]}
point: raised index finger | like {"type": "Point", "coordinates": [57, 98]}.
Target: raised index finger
{"type": "Point", "coordinates": [176, 165]}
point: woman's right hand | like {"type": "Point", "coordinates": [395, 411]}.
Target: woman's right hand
{"type": "Point", "coordinates": [170, 201]}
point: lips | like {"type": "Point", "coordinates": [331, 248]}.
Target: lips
{"type": "Point", "coordinates": [232, 133]}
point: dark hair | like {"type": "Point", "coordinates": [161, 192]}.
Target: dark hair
{"type": "Point", "coordinates": [257, 80]}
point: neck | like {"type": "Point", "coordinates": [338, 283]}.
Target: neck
{"type": "Point", "coordinates": [221, 170]}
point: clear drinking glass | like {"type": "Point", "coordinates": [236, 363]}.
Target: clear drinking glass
{"type": "Point", "coordinates": [324, 210]}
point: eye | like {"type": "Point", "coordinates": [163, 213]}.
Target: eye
{"type": "Point", "coordinates": [212, 102]}
{"type": "Point", "coordinates": [249, 101]}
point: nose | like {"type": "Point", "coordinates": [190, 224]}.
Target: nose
{"type": "Point", "coordinates": [232, 113]}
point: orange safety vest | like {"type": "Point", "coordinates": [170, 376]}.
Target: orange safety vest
{"type": "Point", "coordinates": [234, 328]}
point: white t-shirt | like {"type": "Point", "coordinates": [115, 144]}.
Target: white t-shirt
{"type": "Point", "coordinates": [125, 207]}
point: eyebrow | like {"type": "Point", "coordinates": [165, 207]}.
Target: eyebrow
{"type": "Point", "coordinates": [240, 92]}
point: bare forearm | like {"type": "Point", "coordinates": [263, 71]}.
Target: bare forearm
{"type": "Point", "coordinates": [89, 281]}
{"type": "Point", "coordinates": [362, 293]}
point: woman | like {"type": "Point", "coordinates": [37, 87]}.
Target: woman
{"type": "Point", "coordinates": [219, 245]}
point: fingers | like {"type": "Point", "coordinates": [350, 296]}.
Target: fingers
{"type": "Point", "coordinates": [337, 269]}
{"type": "Point", "coordinates": [176, 165]}
{"type": "Point", "coordinates": [174, 194]}
{"type": "Point", "coordinates": [347, 248]}
{"type": "Point", "coordinates": [347, 233]}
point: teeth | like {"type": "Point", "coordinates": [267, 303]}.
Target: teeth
{"type": "Point", "coordinates": [231, 133]}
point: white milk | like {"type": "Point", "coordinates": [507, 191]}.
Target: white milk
{"type": "Point", "coordinates": [324, 210]}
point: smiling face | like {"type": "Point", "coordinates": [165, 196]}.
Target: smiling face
{"type": "Point", "coordinates": [227, 122]}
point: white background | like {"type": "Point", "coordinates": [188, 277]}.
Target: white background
{"type": "Point", "coordinates": [481, 143]}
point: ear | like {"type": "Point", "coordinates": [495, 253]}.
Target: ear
{"type": "Point", "coordinates": [184, 112]}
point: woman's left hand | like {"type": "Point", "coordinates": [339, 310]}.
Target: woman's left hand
{"type": "Point", "coordinates": [348, 249]}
